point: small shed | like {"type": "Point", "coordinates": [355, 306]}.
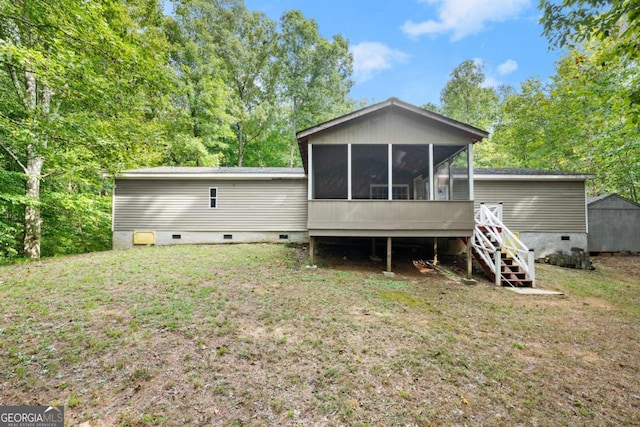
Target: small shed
{"type": "Point", "coordinates": [614, 224]}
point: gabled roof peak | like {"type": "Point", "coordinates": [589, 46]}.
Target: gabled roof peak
{"type": "Point", "coordinates": [475, 133]}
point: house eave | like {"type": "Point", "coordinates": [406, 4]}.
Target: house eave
{"type": "Point", "coordinates": [475, 133]}
{"type": "Point", "coordinates": [502, 177]}
{"type": "Point", "coordinates": [211, 176]}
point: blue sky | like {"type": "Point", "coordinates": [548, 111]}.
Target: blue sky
{"type": "Point", "coordinates": [408, 48]}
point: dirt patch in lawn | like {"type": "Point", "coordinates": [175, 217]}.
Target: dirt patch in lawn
{"type": "Point", "coordinates": [244, 335]}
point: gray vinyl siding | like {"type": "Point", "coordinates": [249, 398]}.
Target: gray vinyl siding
{"type": "Point", "coordinates": [460, 189]}
{"type": "Point", "coordinates": [537, 206]}
{"type": "Point", "coordinates": [392, 127]}
{"type": "Point", "coordinates": [402, 218]}
{"type": "Point", "coordinates": [183, 205]}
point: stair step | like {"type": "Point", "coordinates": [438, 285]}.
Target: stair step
{"type": "Point", "coordinates": [515, 275]}
{"type": "Point", "coordinates": [518, 284]}
{"type": "Point", "coordinates": [485, 229]}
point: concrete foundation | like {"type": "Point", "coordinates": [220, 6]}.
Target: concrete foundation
{"type": "Point", "coordinates": [124, 239]}
{"type": "Point", "coordinates": [545, 244]}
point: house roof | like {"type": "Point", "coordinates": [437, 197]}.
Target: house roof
{"type": "Point", "coordinates": [526, 174]}
{"type": "Point", "coordinates": [193, 172]}
{"type": "Point", "coordinates": [171, 172]}
{"type": "Point", "coordinates": [475, 134]}
{"type": "Point", "coordinates": [395, 102]}
{"type": "Point", "coordinates": [597, 199]}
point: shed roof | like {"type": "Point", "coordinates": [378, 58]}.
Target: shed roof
{"type": "Point", "coordinates": [228, 173]}
{"type": "Point", "coordinates": [592, 201]}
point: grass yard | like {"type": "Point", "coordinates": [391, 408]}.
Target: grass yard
{"type": "Point", "coordinates": [244, 335]}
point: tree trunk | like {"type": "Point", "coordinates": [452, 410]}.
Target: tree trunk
{"type": "Point", "coordinates": [33, 169]}
{"type": "Point", "coordinates": [32, 217]}
{"type": "Point", "coordinates": [240, 144]}
{"type": "Point", "coordinates": [294, 125]}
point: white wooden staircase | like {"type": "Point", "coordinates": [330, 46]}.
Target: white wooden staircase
{"type": "Point", "coordinates": [500, 253]}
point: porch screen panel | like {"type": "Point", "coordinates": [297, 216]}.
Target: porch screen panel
{"type": "Point", "coordinates": [410, 165]}
{"type": "Point", "coordinates": [460, 176]}
{"type": "Point", "coordinates": [443, 160]}
{"type": "Point", "coordinates": [442, 181]}
{"type": "Point", "coordinates": [369, 171]}
{"type": "Point", "coordinates": [329, 171]}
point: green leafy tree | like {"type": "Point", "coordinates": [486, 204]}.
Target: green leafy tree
{"type": "Point", "coordinates": [200, 127]}
{"type": "Point", "coordinates": [579, 122]}
{"type": "Point", "coordinates": [466, 98]}
{"type": "Point", "coordinates": [568, 23]}
{"type": "Point", "coordinates": [76, 79]}
{"type": "Point", "coordinates": [246, 44]}
{"type": "Point", "coordinates": [11, 216]}
{"type": "Point", "coordinates": [315, 74]}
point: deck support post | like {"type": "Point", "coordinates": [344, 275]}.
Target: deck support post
{"type": "Point", "coordinates": [497, 267]}
{"type": "Point", "coordinates": [373, 247]}
{"type": "Point", "coordinates": [532, 268]}
{"type": "Point", "coordinates": [435, 251]}
{"type": "Point", "coordinates": [469, 255]}
{"type": "Point", "coordinates": [312, 250]}
{"type": "Point", "coordinates": [389, 254]}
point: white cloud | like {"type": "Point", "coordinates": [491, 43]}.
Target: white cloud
{"type": "Point", "coordinates": [490, 82]}
{"type": "Point", "coordinates": [370, 58]}
{"type": "Point", "coordinates": [465, 17]}
{"type": "Point", "coordinates": [507, 67]}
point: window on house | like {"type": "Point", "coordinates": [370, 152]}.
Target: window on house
{"type": "Point", "coordinates": [213, 198]}
{"type": "Point", "coordinates": [398, 192]}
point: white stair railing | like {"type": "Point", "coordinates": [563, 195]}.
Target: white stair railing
{"type": "Point", "coordinates": [488, 227]}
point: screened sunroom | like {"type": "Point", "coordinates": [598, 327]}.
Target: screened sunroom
{"type": "Point", "coordinates": [392, 190]}
{"type": "Point", "coordinates": [390, 170]}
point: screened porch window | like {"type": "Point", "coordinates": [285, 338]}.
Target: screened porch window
{"type": "Point", "coordinates": [451, 172]}
{"type": "Point", "coordinates": [411, 168]}
{"type": "Point", "coordinates": [330, 171]}
{"type": "Point", "coordinates": [369, 171]}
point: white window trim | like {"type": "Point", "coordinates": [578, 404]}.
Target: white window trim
{"type": "Point", "coordinates": [213, 198]}
{"type": "Point", "coordinates": [372, 186]}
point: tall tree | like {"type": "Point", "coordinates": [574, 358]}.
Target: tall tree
{"type": "Point", "coordinates": [466, 98]}
{"type": "Point", "coordinates": [579, 121]}
{"type": "Point", "coordinates": [246, 44]}
{"type": "Point", "coordinates": [201, 126]}
{"type": "Point", "coordinates": [568, 23]}
{"type": "Point", "coordinates": [71, 70]}
{"type": "Point", "coordinates": [315, 73]}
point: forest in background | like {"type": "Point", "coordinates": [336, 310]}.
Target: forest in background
{"type": "Point", "coordinates": [88, 89]}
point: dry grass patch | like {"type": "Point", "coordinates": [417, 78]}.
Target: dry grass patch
{"type": "Point", "coordinates": [240, 335]}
